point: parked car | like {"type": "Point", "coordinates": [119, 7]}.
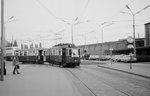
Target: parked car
{"type": "Point", "coordinates": [94, 57]}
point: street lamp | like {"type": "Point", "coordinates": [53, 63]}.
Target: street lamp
{"type": "Point", "coordinates": [111, 49]}
{"type": "Point", "coordinates": [72, 25]}
{"type": "Point", "coordinates": [133, 14]}
{"type": "Point", "coordinates": [3, 39]}
{"type": "Point", "coordinates": [102, 28]}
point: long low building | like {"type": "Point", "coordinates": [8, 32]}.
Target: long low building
{"type": "Point", "coordinates": [104, 48]}
{"type": "Point", "coordinates": [117, 48]}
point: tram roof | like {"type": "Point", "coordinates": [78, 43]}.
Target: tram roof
{"type": "Point", "coordinates": [34, 49]}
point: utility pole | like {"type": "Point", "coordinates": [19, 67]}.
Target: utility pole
{"type": "Point", "coordinates": [72, 29]}
{"type": "Point", "coordinates": [72, 32]}
{"type": "Point", "coordinates": [102, 31]}
{"type": "Point", "coordinates": [134, 43]}
{"type": "Point", "coordinates": [133, 14]}
{"type": "Point", "coordinates": [2, 40]}
{"type": "Point", "coordinates": [134, 48]}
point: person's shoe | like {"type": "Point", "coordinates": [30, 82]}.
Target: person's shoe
{"type": "Point", "coordinates": [18, 73]}
{"type": "Point", "coordinates": [13, 73]}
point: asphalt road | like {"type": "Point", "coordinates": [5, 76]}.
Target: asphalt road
{"type": "Point", "coordinates": [86, 80]}
{"type": "Point", "coordinates": [107, 82]}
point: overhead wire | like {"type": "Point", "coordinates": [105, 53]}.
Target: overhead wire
{"type": "Point", "coordinates": [48, 10]}
{"type": "Point", "coordinates": [85, 8]}
{"type": "Point", "coordinates": [120, 10]}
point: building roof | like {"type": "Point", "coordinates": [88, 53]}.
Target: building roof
{"type": "Point", "coordinates": [147, 23]}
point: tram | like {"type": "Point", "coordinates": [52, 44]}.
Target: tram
{"type": "Point", "coordinates": [61, 54]}
{"type": "Point", "coordinates": [10, 52]}
{"type": "Point", "coordinates": [36, 55]}
{"type": "Point", "coordinates": [64, 55]}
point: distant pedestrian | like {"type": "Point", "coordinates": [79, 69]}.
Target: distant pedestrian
{"type": "Point", "coordinates": [4, 66]}
{"type": "Point", "coordinates": [15, 64]}
{"type": "Point", "coordinates": [4, 70]}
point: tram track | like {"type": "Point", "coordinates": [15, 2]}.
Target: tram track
{"type": "Point", "coordinates": [84, 84]}
{"type": "Point", "coordinates": [119, 87]}
{"type": "Point", "coordinates": [90, 87]}
{"type": "Point", "coordinates": [137, 81]}
{"type": "Point", "coordinates": [113, 86]}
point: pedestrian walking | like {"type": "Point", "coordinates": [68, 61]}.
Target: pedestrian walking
{"type": "Point", "coordinates": [16, 65]}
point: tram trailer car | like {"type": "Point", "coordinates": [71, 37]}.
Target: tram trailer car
{"type": "Point", "coordinates": [65, 55]}
{"type": "Point", "coordinates": [32, 55]}
{"type": "Point", "coordinates": [9, 53]}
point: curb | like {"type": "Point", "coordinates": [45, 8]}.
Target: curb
{"type": "Point", "coordinates": [148, 77]}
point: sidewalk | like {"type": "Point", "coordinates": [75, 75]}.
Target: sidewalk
{"type": "Point", "coordinates": [9, 67]}
{"type": "Point", "coordinates": [37, 80]}
{"type": "Point", "coordinates": [139, 69]}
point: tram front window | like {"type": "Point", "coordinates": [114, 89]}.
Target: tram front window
{"type": "Point", "coordinates": [40, 52]}
{"type": "Point", "coordinates": [75, 53]}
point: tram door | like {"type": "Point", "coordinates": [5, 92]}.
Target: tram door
{"type": "Point", "coordinates": [63, 55]}
{"type": "Point", "coordinates": [40, 56]}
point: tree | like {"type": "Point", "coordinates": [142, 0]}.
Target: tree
{"type": "Point", "coordinates": [36, 45]}
{"type": "Point", "coordinates": [25, 46]}
{"type": "Point", "coordinates": [15, 43]}
{"type": "Point", "coordinates": [40, 45]}
{"type": "Point", "coordinates": [8, 44]}
{"type": "Point", "coordinates": [21, 46]}
{"type": "Point", "coordinates": [31, 45]}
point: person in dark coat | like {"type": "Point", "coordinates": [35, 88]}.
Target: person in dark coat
{"type": "Point", "coordinates": [15, 64]}
{"type": "Point", "coordinates": [4, 67]}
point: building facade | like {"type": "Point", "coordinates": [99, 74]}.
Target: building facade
{"type": "Point", "coordinates": [118, 47]}
{"type": "Point", "coordinates": [147, 34]}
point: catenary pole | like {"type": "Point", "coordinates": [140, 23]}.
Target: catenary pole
{"type": "Point", "coordinates": [134, 44]}
{"type": "Point", "coordinates": [72, 32]}
{"type": "Point", "coordinates": [2, 40]}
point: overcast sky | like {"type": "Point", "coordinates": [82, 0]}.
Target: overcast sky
{"type": "Point", "coordinates": [41, 20]}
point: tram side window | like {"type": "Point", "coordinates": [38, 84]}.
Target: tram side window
{"type": "Point", "coordinates": [53, 51]}
{"type": "Point", "coordinates": [17, 53]}
{"type": "Point", "coordinates": [79, 52]}
{"type": "Point", "coordinates": [30, 53]}
{"type": "Point", "coordinates": [50, 52]}
{"type": "Point", "coordinates": [56, 52]}
{"type": "Point", "coordinates": [25, 53]}
{"type": "Point", "coordinates": [59, 52]}
{"type": "Point", "coordinates": [21, 53]}
{"type": "Point", "coordinates": [44, 53]}
{"type": "Point", "coordinates": [70, 52]}
{"type": "Point", "coordinates": [40, 53]}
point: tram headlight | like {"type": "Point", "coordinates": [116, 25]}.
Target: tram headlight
{"type": "Point", "coordinates": [75, 60]}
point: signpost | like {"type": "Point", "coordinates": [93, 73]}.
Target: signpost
{"type": "Point", "coordinates": [131, 57]}
{"type": "Point", "coordinates": [111, 49]}
{"type": "Point", "coordinates": [130, 45]}
{"type": "Point", "coordinates": [130, 42]}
